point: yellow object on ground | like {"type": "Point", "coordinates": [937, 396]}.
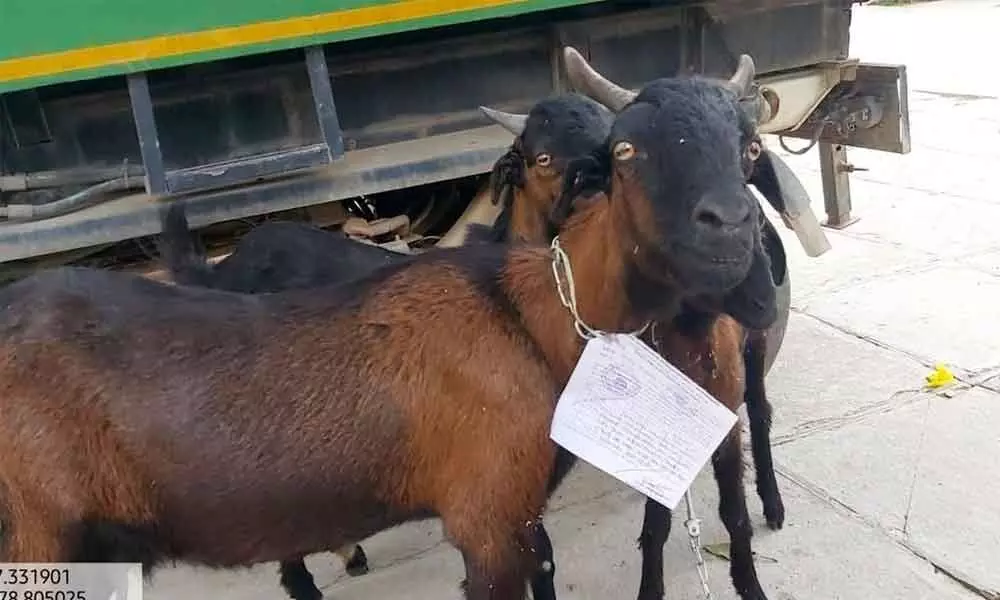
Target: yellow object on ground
{"type": "Point", "coordinates": [940, 376]}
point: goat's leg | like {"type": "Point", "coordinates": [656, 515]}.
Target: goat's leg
{"type": "Point", "coordinates": [298, 581]}
{"type": "Point", "coordinates": [728, 466]}
{"type": "Point", "coordinates": [494, 577]}
{"type": "Point", "coordinates": [655, 531]}
{"type": "Point", "coordinates": [543, 585]}
{"type": "Point", "coordinates": [355, 560]}
{"type": "Point", "coordinates": [759, 412]}
{"type": "Point", "coordinates": [502, 551]}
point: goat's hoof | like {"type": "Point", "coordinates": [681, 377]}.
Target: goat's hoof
{"type": "Point", "coordinates": [753, 593]}
{"type": "Point", "coordinates": [775, 516]}
{"type": "Point", "coordinates": [650, 594]}
{"type": "Point", "coordinates": [358, 565]}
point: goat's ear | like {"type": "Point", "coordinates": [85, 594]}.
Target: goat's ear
{"type": "Point", "coordinates": [775, 250]}
{"type": "Point", "coordinates": [765, 179]}
{"type": "Point", "coordinates": [507, 171]}
{"type": "Point", "coordinates": [583, 177]}
{"type": "Point", "coordinates": [754, 303]}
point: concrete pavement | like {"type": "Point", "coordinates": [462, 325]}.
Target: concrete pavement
{"type": "Point", "coordinates": [888, 487]}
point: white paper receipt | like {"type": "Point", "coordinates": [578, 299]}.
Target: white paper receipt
{"type": "Point", "coordinates": [635, 416]}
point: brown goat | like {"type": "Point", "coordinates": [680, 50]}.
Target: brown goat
{"type": "Point", "coordinates": [526, 182]}
{"type": "Point", "coordinates": [227, 429]}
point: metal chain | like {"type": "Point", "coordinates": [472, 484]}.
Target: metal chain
{"type": "Point", "coordinates": [562, 270]}
{"type": "Point", "coordinates": [693, 525]}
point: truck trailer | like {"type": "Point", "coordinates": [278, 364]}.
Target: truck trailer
{"type": "Point", "coordinates": [361, 111]}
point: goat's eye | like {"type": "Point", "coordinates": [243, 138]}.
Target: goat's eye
{"type": "Point", "coordinates": [623, 150]}
{"type": "Point", "coordinates": [543, 159]}
{"type": "Point", "coordinates": [754, 150]}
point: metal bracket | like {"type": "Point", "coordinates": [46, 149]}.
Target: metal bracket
{"type": "Point", "coordinates": [869, 111]}
{"type": "Point", "coordinates": [834, 170]}
{"type": "Point", "coordinates": [326, 108]}
{"type": "Point", "coordinates": [800, 93]}
{"type": "Point", "coordinates": [161, 181]}
{"type": "Point", "coordinates": [149, 139]}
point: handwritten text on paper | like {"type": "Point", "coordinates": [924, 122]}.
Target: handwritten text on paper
{"type": "Point", "coordinates": [628, 412]}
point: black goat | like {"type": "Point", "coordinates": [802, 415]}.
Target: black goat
{"type": "Point", "coordinates": [278, 255]}
{"type": "Point", "coordinates": [694, 343]}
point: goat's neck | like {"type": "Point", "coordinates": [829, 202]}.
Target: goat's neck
{"type": "Point", "coordinates": [528, 223]}
{"type": "Point", "coordinates": [594, 242]}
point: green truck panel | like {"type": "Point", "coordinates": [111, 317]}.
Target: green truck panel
{"type": "Point", "coordinates": [48, 41]}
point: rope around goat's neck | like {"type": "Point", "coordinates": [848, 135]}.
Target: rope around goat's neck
{"type": "Point", "coordinates": [563, 271]}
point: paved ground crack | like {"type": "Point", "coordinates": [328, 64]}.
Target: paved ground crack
{"type": "Point", "coordinates": [966, 379]}
{"type": "Point", "coordinates": [896, 400]}
{"type": "Point", "coordinates": [951, 573]}
{"type": "Point", "coordinates": [916, 469]}
{"type": "Point", "coordinates": [900, 541]}
{"type": "Point", "coordinates": [867, 338]}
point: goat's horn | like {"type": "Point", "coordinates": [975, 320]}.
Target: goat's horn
{"type": "Point", "coordinates": [583, 77]}
{"type": "Point", "coordinates": [509, 121]}
{"type": "Point", "coordinates": [770, 105]}
{"type": "Point", "coordinates": [742, 79]}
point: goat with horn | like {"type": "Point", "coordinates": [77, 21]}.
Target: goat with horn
{"type": "Point", "coordinates": [692, 334]}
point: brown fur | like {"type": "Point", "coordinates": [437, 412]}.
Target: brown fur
{"type": "Point", "coordinates": [712, 361]}
{"type": "Point", "coordinates": [243, 429]}
{"type": "Point", "coordinates": [533, 202]}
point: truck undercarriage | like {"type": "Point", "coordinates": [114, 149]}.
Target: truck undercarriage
{"type": "Point", "coordinates": [351, 133]}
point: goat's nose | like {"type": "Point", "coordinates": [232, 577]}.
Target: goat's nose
{"type": "Point", "coordinates": [719, 216]}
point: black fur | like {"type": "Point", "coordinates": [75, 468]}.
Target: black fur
{"type": "Point", "coordinates": [298, 581]}
{"type": "Point", "coordinates": [728, 467]}
{"type": "Point", "coordinates": [655, 531]}
{"type": "Point", "coordinates": [567, 127]}
{"type": "Point", "coordinates": [357, 565]}
{"type": "Point", "coordinates": [690, 136]}
{"type": "Point", "coordinates": [543, 582]}
{"type": "Point", "coordinates": [759, 412]}
{"type": "Point", "coordinates": [564, 126]}
{"type": "Point", "coordinates": [765, 180]}
{"type": "Point", "coordinates": [275, 256]}
{"type": "Point", "coordinates": [753, 303]}
{"type": "Point", "coordinates": [100, 540]}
